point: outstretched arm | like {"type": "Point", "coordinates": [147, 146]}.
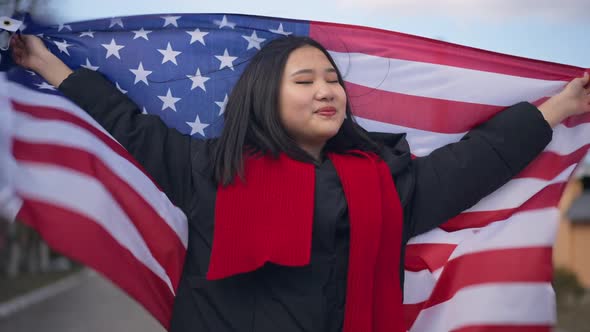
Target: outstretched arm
{"type": "Point", "coordinates": [163, 152]}
{"type": "Point", "coordinates": [456, 176]}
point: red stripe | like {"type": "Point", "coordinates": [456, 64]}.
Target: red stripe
{"type": "Point", "coordinates": [505, 328]}
{"type": "Point", "coordinates": [493, 266]}
{"type": "Point", "coordinates": [411, 312]}
{"type": "Point", "coordinates": [429, 114]}
{"type": "Point", "coordinates": [82, 239]}
{"type": "Point", "coordinates": [49, 113]}
{"type": "Point", "coordinates": [432, 256]}
{"type": "Point", "coordinates": [549, 165]}
{"type": "Point", "coordinates": [350, 38]}
{"type": "Point", "coordinates": [427, 256]}
{"type": "Point", "coordinates": [545, 198]}
{"type": "Point", "coordinates": [575, 120]}
{"type": "Point", "coordinates": [162, 241]}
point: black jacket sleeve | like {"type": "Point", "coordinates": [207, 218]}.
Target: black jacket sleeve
{"type": "Point", "coordinates": [455, 177]}
{"type": "Point", "coordinates": [163, 152]}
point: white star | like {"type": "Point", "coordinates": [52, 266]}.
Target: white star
{"type": "Point", "coordinates": [170, 20]}
{"type": "Point", "coordinates": [113, 49]}
{"type": "Point", "coordinates": [116, 21]}
{"type": "Point", "coordinates": [120, 89]}
{"type": "Point", "coordinates": [197, 127]}
{"type": "Point", "coordinates": [222, 104]}
{"type": "Point", "coordinates": [226, 60]}
{"type": "Point", "coordinates": [40, 35]}
{"type": "Point", "coordinates": [63, 46]}
{"type": "Point", "coordinates": [169, 54]}
{"type": "Point", "coordinates": [253, 41]}
{"type": "Point", "coordinates": [141, 74]}
{"type": "Point", "coordinates": [22, 27]}
{"type": "Point", "coordinates": [45, 86]}
{"type": "Point", "coordinates": [62, 26]}
{"type": "Point", "coordinates": [31, 72]}
{"type": "Point", "coordinates": [144, 111]}
{"type": "Point", "coordinates": [198, 80]}
{"type": "Point", "coordinates": [141, 33]}
{"type": "Point", "coordinates": [280, 30]}
{"type": "Point", "coordinates": [169, 101]}
{"type": "Point", "coordinates": [88, 65]}
{"type": "Point", "coordinates": [224, 23]}
{"type": "Point", "coordinates": [197, 35]}
{"type": "Point", "coordinates": [88, 33]}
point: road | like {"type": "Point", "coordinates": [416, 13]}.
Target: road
{"type": "Point", "coordinates": [92, 305]}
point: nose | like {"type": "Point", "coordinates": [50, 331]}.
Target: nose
{"type": "Point", "coordinates": [325, 91]}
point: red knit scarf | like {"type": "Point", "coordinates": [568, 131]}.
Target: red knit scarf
{"type": "Point", "coordinates": [268, 218]}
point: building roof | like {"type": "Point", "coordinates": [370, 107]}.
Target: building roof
{"type": "Point", "coordinates": [579, 212]}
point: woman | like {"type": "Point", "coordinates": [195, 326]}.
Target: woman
{"type": "Point", "coordinates": [298, 217]}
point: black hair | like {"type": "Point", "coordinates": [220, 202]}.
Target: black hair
{"type": "Point", "coordinates": [252, 122]}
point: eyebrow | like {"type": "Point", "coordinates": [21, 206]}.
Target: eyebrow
{"type": "Point", "coordinates": [310, 71]}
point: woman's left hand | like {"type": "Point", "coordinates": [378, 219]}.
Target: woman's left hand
{"type": "Point", "coordinates": [572, 100]}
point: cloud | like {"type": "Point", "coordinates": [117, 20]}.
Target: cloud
{"type": "Point", "coordinates": [568, 10]}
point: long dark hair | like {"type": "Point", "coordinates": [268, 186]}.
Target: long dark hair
{"type": "Point", "coordinates": [252, 122]}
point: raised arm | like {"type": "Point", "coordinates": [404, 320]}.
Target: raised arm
{"type": "Point", "coordinates": [163, 152]}
{"type": "Point", "coordinates": [456, 176]}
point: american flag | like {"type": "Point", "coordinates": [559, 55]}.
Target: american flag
{"type": "Point", "coordinates": [488, 269]}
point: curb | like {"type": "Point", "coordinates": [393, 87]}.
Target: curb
{"type": "Point", "coordinates": [40, 294]}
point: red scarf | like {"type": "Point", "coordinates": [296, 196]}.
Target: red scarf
{"type": "Point", "coordinates": [269, 218]}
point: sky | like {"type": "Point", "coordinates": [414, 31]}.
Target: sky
{"type": "Point", "coordinates": [556, 31]}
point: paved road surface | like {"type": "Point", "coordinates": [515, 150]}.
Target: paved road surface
{"type": "Point", "coordinates": [93, 305]}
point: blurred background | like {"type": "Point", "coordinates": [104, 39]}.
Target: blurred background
{"type": "Point", "coordinates": [40, 290]}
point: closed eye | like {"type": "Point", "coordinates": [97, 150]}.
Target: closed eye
{"type": "Point", "coordinates": [304, 82]}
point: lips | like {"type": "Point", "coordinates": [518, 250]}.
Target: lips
{"type": "Point", "coordinates": [326, 111]}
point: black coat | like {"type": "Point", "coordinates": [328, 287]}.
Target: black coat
{"type": "Point", "coordinates": [432, 189]}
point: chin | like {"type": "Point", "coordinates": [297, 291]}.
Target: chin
{"type": "Point", "coordinates": [328, 133]}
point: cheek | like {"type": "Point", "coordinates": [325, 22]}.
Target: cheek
{"type": "Point", "coordinates": [341, 96]}
{"type": "Point", "coordinates": [292, 119]}
{"type": "Point", "coordinates": [294, 108]}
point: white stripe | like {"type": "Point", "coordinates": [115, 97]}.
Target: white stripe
{"type": "Point", "coordinates": [441, 81]}
{"type": "Point", "coordinates": [517, 191]}
{"type": "Point", "coordinates": [64, 188]}
{"type": "Point", "coordinates": [419, 285]}
{"type": "Point", "coordinates": [27, 96]}
{"type": "Point", "coordinates": [491, 304]}
{"type": "Point", "coordinates": [536, 228]}
{"type": "Point", "coordinates": [10, 203]}
{"type": "Point", "coordinates": [421, 142]}
{"type": "Point", "coordinates": [565, 140]}
{"type": "Point", "coordinates": [435, 235]}
{"type": "Point", "coordinates": [526, 229]}
{"type": "Point", "coordinates": [33, 130]}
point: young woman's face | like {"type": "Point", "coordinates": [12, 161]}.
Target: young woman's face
{"type": "Point", "coordinates": [312, 104]}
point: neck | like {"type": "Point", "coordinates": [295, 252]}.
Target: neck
{"type": "Point", "coordinates": [314, 150]}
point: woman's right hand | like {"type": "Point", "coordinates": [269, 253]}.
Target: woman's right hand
{"type": "Point", "coordinates": [29, 51]}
